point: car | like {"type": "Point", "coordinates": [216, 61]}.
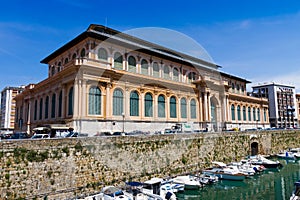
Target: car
{"type": "Point", "coordinates": [19, 135]}
{"type": "Point", "coordinates": [40, 136]}
{"type": "Point", "coordinates": [119, 133]}
{"type": "Point", "coordinates": [72, 134]}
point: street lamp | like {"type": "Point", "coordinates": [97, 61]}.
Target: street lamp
{"type": "Point", "coordinates": [123, 115]}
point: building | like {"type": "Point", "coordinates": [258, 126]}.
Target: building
{"type": "Point", "coordinates": [282, 104]}
{"type": "Point", "coordinates": [107, 80]}
{"type": "Point", "coordinates": [298, 107]}
{"type": "Point", "coordinates": [8, 107]}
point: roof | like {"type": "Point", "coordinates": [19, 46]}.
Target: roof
{"type": "Point", "coordinates": [272, 84]}
{"type": "Point", "coordinates": [234, 77]}
{"type": "Point", "coordinates": [103, 33]}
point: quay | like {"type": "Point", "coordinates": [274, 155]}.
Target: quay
{"type": "Point", "coordinates": [66, 168]}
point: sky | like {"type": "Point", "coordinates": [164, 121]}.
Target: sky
{"type": "Point", "coordinates": [258, 40]}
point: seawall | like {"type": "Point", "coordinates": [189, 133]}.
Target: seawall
{"type": "Point", "coordinates": [66, 168]}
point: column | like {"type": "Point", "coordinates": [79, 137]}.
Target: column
{"type": "Point", "coordinates": [155, 106]}
{"type": "Point", "coordinates": [64, 103]}
{"type": "Point", "coordinates": [127, 103]}
{"type": "Point", "coordinates": [108, 103]}
{"type": "Point", "coordinates": [200, 116]}
{"type": "Point", "coordinates": [205, 107]}
{"type": "Point", "coordinates": [142, 104]}
{"type": "Point", "coordinates": [208, 107]}
{"type": "Point", "coordinates": [83, 99]}
{"type": "Point", "coordinates": [224, 108]}
{"type": "Point", "coordinates": [76, 99]}
{"type": "Point", "coordinates": [29, 116]}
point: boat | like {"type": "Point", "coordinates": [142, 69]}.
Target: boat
{"type": "Point", "coordinates": [223, 172]}
{"type": "Point", "coordinates": [189, 182]}
{"type": "Point", "coordinates": [296, 193]}
{"type": "Point", "coordinates": [243, 168]}
{"type": "Point", "coordinates": [114, 193]}
{"type": "Point", "coordinates": [260, 160]}
{"type": "Point", "coordinates": [153, 189]}
{"type": "Point", "coordinates": [286, 155]}
{"type": "Point", "coordinates": [208, 178]}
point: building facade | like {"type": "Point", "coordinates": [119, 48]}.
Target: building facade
{"type": "Point", "coordinates": [107, 80]}
{"type": "Point", "coordinates": [298, 106]}
{"type": "Point", "coordinates": [8, 107]}
{"type": "Point", "coordinates": [282, 104]}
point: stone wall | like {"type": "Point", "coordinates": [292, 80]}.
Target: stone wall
{"type": "Point", "coordinates": [66, 168]}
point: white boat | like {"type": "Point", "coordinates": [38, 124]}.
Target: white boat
{"type": "Point", "coordinates": [208, 178]}
{"type": "Point", "coordinates": [260, 160]}
{"type": "Point", "coordinates": [243, 168]}
{"type": "Point", "coordinates": [286, 155]}
{"type": "Point", "coordinates": [114, 193]}
{"type": "Point", "coordinates": [223, 172]}
{"type": "Point", "coordinates": [153, 189]}
{"type": "Point", "coordinates": [296, 193]}
{"type": "Point", "coordinates": [189, 182]}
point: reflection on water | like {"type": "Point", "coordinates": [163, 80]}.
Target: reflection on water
{"type": "Point", "coordinates": [271, 184]}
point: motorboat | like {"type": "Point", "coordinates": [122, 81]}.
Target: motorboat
{"type": "Point", "coordinates": [153, 189]}
{"type": "Point", "coordinates": [243, 168]}
{"type": "Point", "coordinates": [296, 193]}
{"type": "Point", "coordinates": [260, 160]}
{"type": "Point", "coordinates": [286, 155]}
{"type": "Point", "coordinates": [114, 193]}
{"type": "Point", "coordinates": [189, 182]}
{"type": "Point", "coordinates": [224, 172]}
{"type": "Point", "coordinates": [208, 178]}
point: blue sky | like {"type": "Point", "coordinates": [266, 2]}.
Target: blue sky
{"type": "Point", "coordinates": [256, 40]}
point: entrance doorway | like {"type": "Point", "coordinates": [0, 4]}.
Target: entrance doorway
{"type": "Point", "coordinates": [254, 148]}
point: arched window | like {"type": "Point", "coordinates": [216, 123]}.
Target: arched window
{"type": "Point", "coordinates": [60, 104]}
{"type": "Point", "coordinates": [53, 105]}
{"type": "Point", "coordinates": [82, 53]}
{"type": "Point", "coordinates": [155, 69]}
{"type": "Point", "coordinates": [66, 60]}
{"type": "Point", "coordinates": [232, 86]}
{"type": "Point", "coordinates": [249, 114]}
{"type": "Point", "coordinates": [118, 61]}
{"type": "Point", "coordinates": [166, 72]}
{"type": "Point", "coordinates": [161, 106]}
{"type": "Point", "coordinates": [254, 114]}
{"type": "Point", "coordinates": [191, 77]}
{"type": "Point", "coordinates": [59, 67]}
{"type": "Point", "coordinates": [238, 87]}
{"type": "Point", "coordinates": [173, 110]}
{"type": "Point", "coordinates": [102, 54]}
{"type": "Point", "coordinates": [148, 105]}
{"type": "Point", "coordinates": [175, 74]}
{"type": "Point", "coordinates": [47, 107]}
{"type": "Point", "coordinates": [35, 110]}
{"type": "Point", "coordinates": [131, 64]}
{"type": "Point", "coordinates": [70, 101]}
{"type": "Point", "coordinates": [94, 101]}
{"type": "Point", "coordinates": [118, 102]}
{"type": "Point", "coordinates": [52, 70]}
{"type": "Point", "coordinates": [243, 89]}
{"type": "Point", "coordinates": [258, 114]}
{"type": "Point", "coordinates": [239, 112]}
{"type": "Point", "coordinates": [74, 56]}
{"type": "Point", "coordinates": [232, 112]}
{"type": "Point", "coordinates": [134, 103]}
{"type": "Point", "coordinates": [193, 109]}
{"type": "Point", "coordinates": [144, 67]}
{"type": "Point", "coordinates": [183, 108]}
{"type": "Point", "coordinates": [41, 109]}
{"type": "Point", "coordinates": [244, 113]}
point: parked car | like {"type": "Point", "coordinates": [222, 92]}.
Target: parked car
{"type": "Point", "coordinates": [72, 134]}
{"type": "Point", "coordinates": [19, 135]}
{"type": "Point", "coordinates": [40, 136]}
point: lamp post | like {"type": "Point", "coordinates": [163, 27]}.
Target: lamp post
{"type": "Point", "coordinates": [123, 115]}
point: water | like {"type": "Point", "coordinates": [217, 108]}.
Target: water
{"type": "Point", "coordinates": [272, 184]}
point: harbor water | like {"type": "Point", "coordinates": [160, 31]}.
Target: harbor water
{"type": "Point", "coordinates": [272, 184]}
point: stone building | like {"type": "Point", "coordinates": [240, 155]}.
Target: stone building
{"type": "Point", "coordinates": [107, 80]}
